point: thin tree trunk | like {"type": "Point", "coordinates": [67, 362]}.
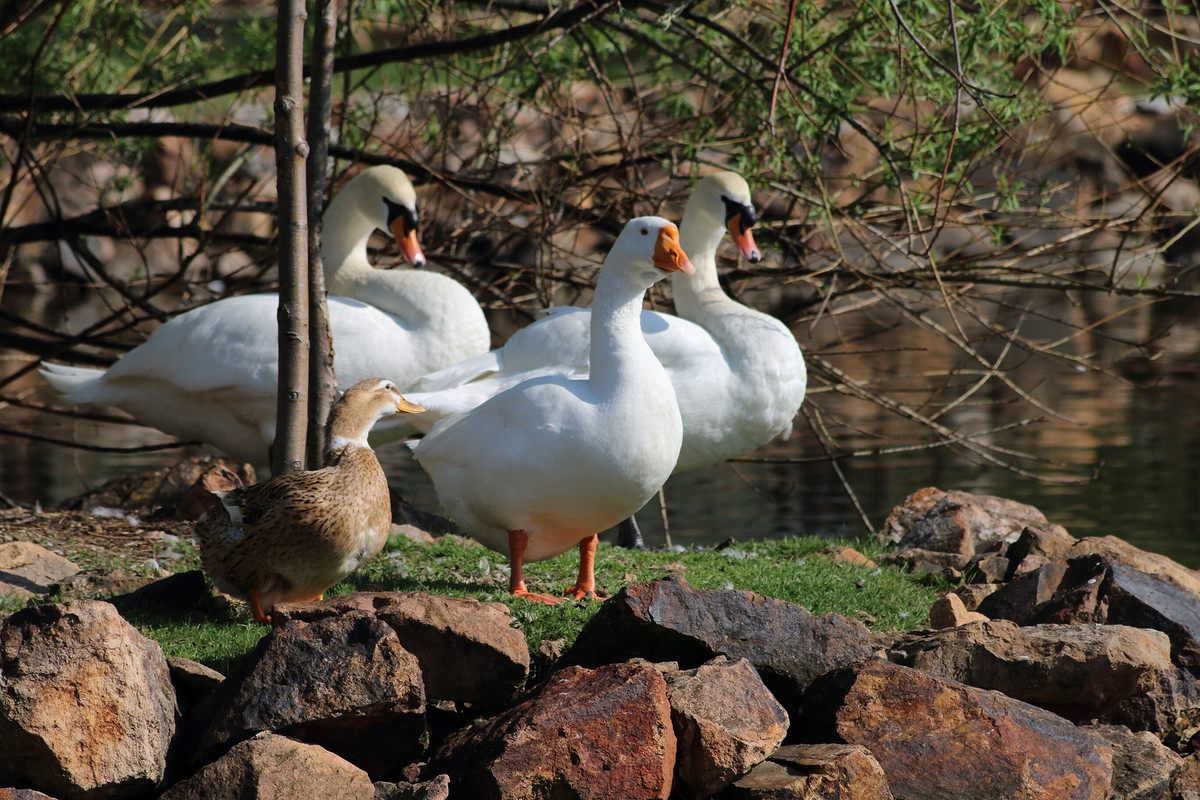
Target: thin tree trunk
{"type": "Point", "coordinates": [321, 380]}
{"type": "Point", "coordinates": [287, 453]}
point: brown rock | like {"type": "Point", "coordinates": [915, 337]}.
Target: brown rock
{"type": "Point", "coordinates": [972, 594]}
{"type": "Point", "coordinates": [602, 734]}
{"type": "Point", "coordinates": [938, 738]}
{"type": "Point", "coordinates": [813, 772]}
{"type": "Point", "coordinates": [86, 703]}
{"type": "Point", "coordinates": [948, 611]}
{"type": "Point", "coordinates": [726, 721]}
{"type": "Point", "coordinates": [915, 559]}
{"type": "Point", "coordinates": [271, 766]}
{"type": "Point", "coordinates": [28, 570]}
{"type": "Point", "coordinates": [668, 620]}
{"type": "Point", "coordinates": [1036, 546]}
{"type": "Point", "coordinates": [847, 555]}
{"type": "Point", "coordinates": [1078, 671]}
{"type": "Point", "coordinates": [468, 650]}
{"type": "Point", "coordinates": [1143, 768]}
{"type": "Point", "coordinates": [344, 683]}
{"type": "Point", "coordinates": [959, 522]}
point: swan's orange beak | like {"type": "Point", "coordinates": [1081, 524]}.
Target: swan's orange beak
{"type": "Point", "coordinates": [406, 407]}
{"type": "Point", "coordinates": [668, 254]}
{"type": "Point", "coordinates": [406, 237]}
{"type": "Point", "coordinates": [743, 238]}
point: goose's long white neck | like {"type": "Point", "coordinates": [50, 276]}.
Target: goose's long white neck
{"type": "Point", "coordinates": [618, 347]}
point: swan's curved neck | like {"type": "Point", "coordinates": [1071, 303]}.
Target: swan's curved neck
{"type": "Point", "coordinates": [344, 236]}
{"type": "Point", "coordinates": [700, 295]}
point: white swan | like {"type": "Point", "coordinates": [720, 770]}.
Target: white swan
{"type": "Point", "coordinates": [210, 374]}
{"type": "Point", "coordinates": [738, 373]}
{"type": "Point", "coordinates": [547, 464]}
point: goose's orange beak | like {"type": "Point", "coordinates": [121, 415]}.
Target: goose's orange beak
{"type": "Point", "coordinates": [743, 238]}
{"type": "Point", "coordinates": [668, 254]}
{"type": "Point", "coordinates": [406, 237]}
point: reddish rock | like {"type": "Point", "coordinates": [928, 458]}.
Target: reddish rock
{"type": "Point", "coordinates": [602, 734]}
{"type": "Point", "coordinates": [813, 772]}
{"type": "Point", "coordinates": [937, 738]}
{"type": "Point", "coordinates": [271, 766]}
{"type": "Point", "coordinates": [1123, 552]}
{"type": "Point", "coordinates": [468, 650]}
{"type": "Point", "coordinates": [1078, 671]}
{"type": "Point", "coordinates": [344, 683]}
{"type": "Point", "coordinates": [847, 555]}
{"type": "Point", "coordinates": [1037, 546]}
{"type": "Point", "coordinates": [668, 620]}
{"type": "Point", "coordinates": [86, 703]}
{"type": "Point", "coordinates": [726, 721]}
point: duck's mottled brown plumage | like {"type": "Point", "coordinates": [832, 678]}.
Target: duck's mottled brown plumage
{"type": "Point", "coordinates": [292, 537]}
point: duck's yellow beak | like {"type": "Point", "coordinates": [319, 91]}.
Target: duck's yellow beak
{"type": "Point", "coordinates": [406, 407]}
{"type": "Point", "coordinates": [406, 237]}
{"type": "Point", "coordinates": [668, 254]}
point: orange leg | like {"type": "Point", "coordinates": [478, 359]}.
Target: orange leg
{"type": "Point", "coordinates": [585, 584]}
{"type": "Point", "coordinates": [517, 542]}
{"type": "Point", "coordinates": [256, 607]}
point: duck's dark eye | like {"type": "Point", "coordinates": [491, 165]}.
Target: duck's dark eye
{"type": "Point", "coordinates": [645, 231]}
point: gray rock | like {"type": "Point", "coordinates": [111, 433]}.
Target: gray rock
{"type": "Point", "coordinates": [86, 703]}
{"type": "Point", "coordinates": [271, 766]}
{"type": "Point", "coordinates": [344, 683]}
{"type": "Point", "coordinates": [437, 788]}
{"type": "Point", "coordinates": [668, 620]}
{"type": "Point", "coordinates": [813, 772]}
{"type": "Point", "coordinates": [602, 734]}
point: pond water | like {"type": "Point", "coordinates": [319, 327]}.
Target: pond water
{"type": "Point", "coordinates": [1139, 434]}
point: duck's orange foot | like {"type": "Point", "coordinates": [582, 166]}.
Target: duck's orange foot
{"type": "Point", "coordinates": [584, 593]}
{"type": "Point", "coordinates": [548, 599]}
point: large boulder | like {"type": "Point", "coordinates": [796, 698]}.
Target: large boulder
{"type": "Point", "coordinates": [960, 522]}
{"type": "Point", "coordinates": [87, 709]}
{"type": "Point", "coordinates": [602, 734]}
{"type": "Point", "coordinates": [937, 738]}
{"type": "Point", "coordinates": [668, 620]}
{"type": "Point", "coordinates": [344, 683]}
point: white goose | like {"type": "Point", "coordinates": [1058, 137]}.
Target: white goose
{"type": "Point", "coordinates": [210, 374]}
{"type": "Point", "coordinates": [547, 464]}
{"type": "Point", "coordinates": [738, 373]}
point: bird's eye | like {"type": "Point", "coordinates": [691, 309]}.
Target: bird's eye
{"type": "Point", "coordinates": [645, 231]}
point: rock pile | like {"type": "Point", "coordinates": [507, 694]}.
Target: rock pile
{"type": "Point", "coordinates": [1067, 669]}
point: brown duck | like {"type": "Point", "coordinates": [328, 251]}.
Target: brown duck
{"type": "Point", "coordinates": [292, 537]}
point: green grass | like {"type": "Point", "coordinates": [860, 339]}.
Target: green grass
{"type": "Point", "coordinates": [883, 597]}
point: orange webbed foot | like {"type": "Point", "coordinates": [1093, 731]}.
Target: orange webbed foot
{"type": "Point", "coordinates": [520, 591]}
